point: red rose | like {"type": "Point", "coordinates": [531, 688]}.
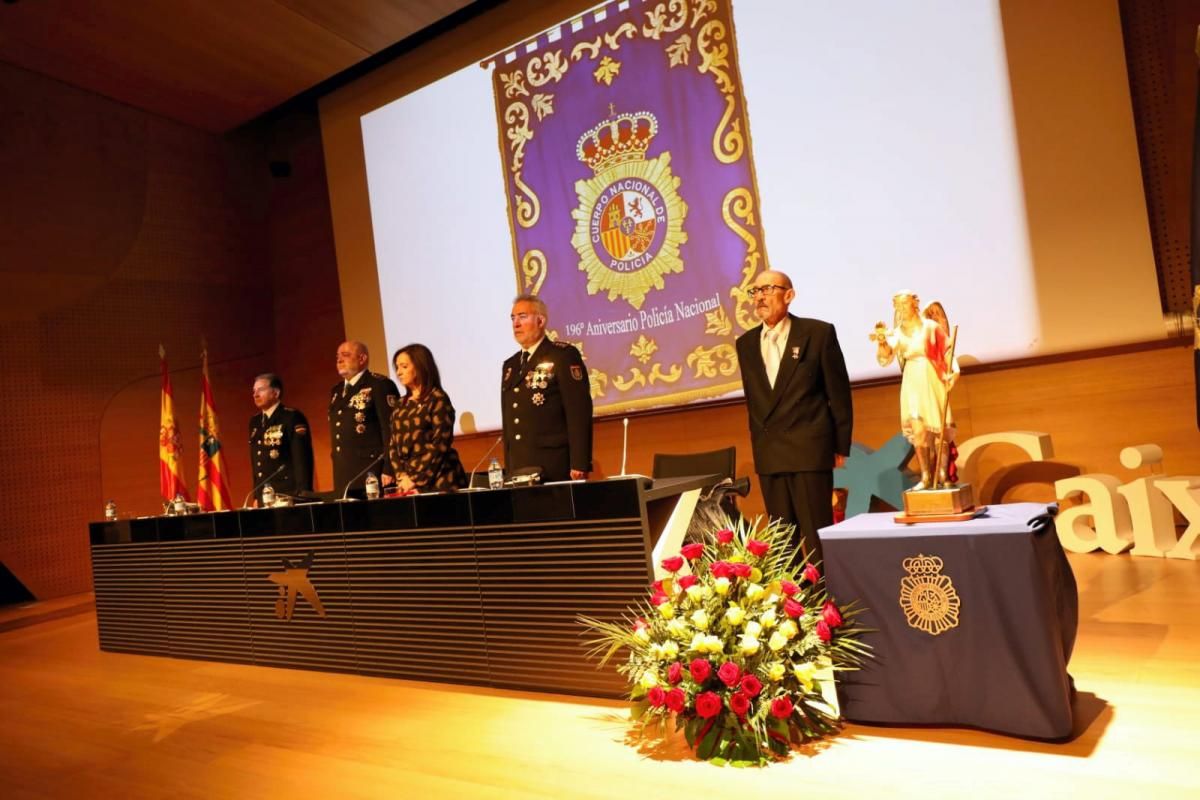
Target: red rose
{"type": "Point", "coordinates": [811, 573]}
{"type": "Point", "coordinates": [725, 536]}
{"type": "Point", "coordinates": [657, 586]}
{"type": "Point", "coordinates": [741, 570]}
{"type": "Point", "coordinates": [676, 700]}
{"type": "Point", "coordinates": [721, 569]}
{"type": "Point", "coordinates": [781, 707]}
{"type": "Point", "coordinates": [708, 704]}
{"type": "Point", "coordinates": [751, 685]}
{"type": "Point", "coordinates": [675, 673]}
{"type": "Point", "coordinates": [692, 551]}
{"type": "Point", "coordinates": [788, 588]}
{"type": "Point", "coordinates": [687, 580]}
{"type": "Point", "coordinates": [792, 608]}
{"type": "Point", "coordinates": [700, 669]}
{"type": "Point", "coordinates": [739, 703]}
{"type": "Point", "coordinates": [658, 599]}
{"type": "Point", "coordinates": [831, 615]}
{"type": "Point", "coordinates": [758, 548]}
{"type": "Point", "coordinates": [729, 673]}
{"type": "Point", "coordinates": [824, 631]}
{"type": "Point", "coordinates": [657, 697]}
{"type": "Point", "coordinates": [673, 564]}
{"type": "Point", "coordinates": [640, 623]}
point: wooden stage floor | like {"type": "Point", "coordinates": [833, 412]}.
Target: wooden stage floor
{"type": "Point", "coordinates": [80, 723]}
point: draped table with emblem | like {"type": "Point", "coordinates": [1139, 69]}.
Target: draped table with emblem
{"type": "Point", "coordinates": [973, 623]}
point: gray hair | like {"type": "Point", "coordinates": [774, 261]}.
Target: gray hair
{"type": "Point", "coordinates": [537, 302]}
{"type": "Point", "coordinates": [273, 381]}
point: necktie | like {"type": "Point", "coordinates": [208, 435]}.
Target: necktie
{"type": "Point", "coordinates": [345, 387]}
{"type": "Point", "coordinates": [524, 359]}
{"type": "Point", "coordinates": [771, 357]}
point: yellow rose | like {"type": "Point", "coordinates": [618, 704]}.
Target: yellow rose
{"type": "Point", "coordinates": [721, 586]}
{"type": "Point", "coordinates": [748, 645]}
{"type": "Point", "coordinates": [776, 670]}
{"type": "Point", "coordinates": [755, 574]}
{"type": "Point", "coordinates": [641, 635]}
{"type": "Point", "coordinates": [677, 628]}
{"type": "Point", "coordinates": [737, 558]}
{"type": "Point", "coordinates": [789, 629]}
{"type": "Point", "coordinates": [734, 615]}
{"type": "Point", "coordinates": [695, 592]}
{"type": "Point", "coordinates": [804, 673]}
{"type": "Point", "coordinates": [754, 592]}
{"type": "Point", "coordinates": [649, 680]}
{"type": "Point", "coordinates": [669, 650]}
{"type": "Point", "coordinates": [753, 628]}
{"type": "Point", "coordinates": [777, 641]}
{"type": "Point", "coordinates": [667, 610]}
{"type": "Point", "coordinates": [700, 619]}
{"type": "Point", "coordinates": [697, 643]}
{"type": "Point", "coordinates": [713, 644]}
{"type": "Point", "coordinates": [768, 618]}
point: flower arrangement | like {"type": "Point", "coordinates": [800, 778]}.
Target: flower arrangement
{"type": "Point", "coordinates": [733, 646]}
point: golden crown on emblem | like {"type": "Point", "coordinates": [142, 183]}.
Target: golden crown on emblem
{"type": "Point", "coordinates": [922, 565]}
{"type": "Point", "coordinates": [625, 137]}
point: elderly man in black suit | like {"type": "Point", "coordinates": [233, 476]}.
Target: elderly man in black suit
{"type": "Point", "coordinates": [798, 399]}
{"type": "Point", "coordinates": [360, 413]}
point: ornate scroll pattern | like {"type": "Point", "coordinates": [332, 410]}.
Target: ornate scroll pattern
{"type": "Point", "coordinates": [708, 361]}
{"type": "Point", "coordinates": [609, 68]}
{"type": "Point", "coordinates": [659, 23]}
{"type": "Point", "coordinates": [739, 203]}
{"type": "Point", "coordinates": [591, 49]}
{"type": "Point", "coordinates": [656, 374]}
{"type": "Point", "coordinates": [540, 71]}
{"type": "Point", "coordinates": [544, 69]}
{"type": "Point", "coordinates": [728, 142]}
{"type": "Point", "coordinates": [717, 322]}
{"type": "Point", "coordinates": [679, 51]}
{"type": "Point", "coordinates": [597, 380]}
{"type": "Point", "coordinates": [613, 39]}
{"type": "Point", "coordinates": [533, 271]}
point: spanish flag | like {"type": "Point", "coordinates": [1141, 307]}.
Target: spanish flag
{"type": "Point", "coordinates": [212, 492]}
{"type": "Point", "coordinates": [170, 449]}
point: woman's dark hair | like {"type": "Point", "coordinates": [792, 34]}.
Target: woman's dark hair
{"type": "Point", "coordinates": [426, 367]}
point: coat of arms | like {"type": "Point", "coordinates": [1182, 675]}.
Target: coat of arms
{"type": "Point", "coordinates": [629, 223]}
{"type": "Point", "coordinates": [927, 597]}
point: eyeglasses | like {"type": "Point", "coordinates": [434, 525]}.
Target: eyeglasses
{"type": "Point", "coordinates": [755, 291]}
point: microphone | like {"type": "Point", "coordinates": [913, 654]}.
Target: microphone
{"type": "Point", "coordinates": [624, 443]}
{"type": "Point", "coordinates": [262, 483]}
{"type": "Point", "coordinates": [364, 471]}
{"type": "Point", "coordinates": [471, 477]}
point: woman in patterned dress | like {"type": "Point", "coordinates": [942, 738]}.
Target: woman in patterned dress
{"type": "Point", "coordinates": [423, 427]}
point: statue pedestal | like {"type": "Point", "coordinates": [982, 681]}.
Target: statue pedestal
{"type": "Point", "coordinates": [952, 504]}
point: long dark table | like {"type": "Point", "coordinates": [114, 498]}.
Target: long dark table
{"type": "Point", "coordinates": [478, 587]}
{"type": "Point", "coordinates": [973, 622]}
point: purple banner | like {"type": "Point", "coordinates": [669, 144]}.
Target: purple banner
{"type": "Point", "coordinates": [631, 195]}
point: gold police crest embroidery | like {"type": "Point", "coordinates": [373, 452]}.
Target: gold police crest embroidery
{"type": "Point", "coordinates": [629, 223]}
{"type": "Point", "coordinates": [927, 597]}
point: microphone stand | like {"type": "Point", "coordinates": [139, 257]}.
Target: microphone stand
{"type": "Point", "coordinates": [365, 470]}
{"type": "Point", "coordinates": [471, 476]}
{"type": "Point", "coordinates": [262, 483]}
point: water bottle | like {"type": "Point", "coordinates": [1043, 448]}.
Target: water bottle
{"type": "Point", "coordinates": [372, 485]}
{"type": "Point", "coordinates": [180, 505]}
{"type": "Point", "coordinates": [495, 475]}
{"type": "Point", "coordinates": [268, 496]}
{"type": "Point", "coordinates": [110, 511]}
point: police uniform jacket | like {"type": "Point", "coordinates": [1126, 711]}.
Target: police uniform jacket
{"type": "Point", "coordinates": [358, 427]}
{"type": "Point", "coordinates": [547, 411]}
{"type": "Point", "coordinates": [281, 442]}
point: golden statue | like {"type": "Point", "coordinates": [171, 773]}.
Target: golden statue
{"type": "Point", "coordinates": [923, 344]}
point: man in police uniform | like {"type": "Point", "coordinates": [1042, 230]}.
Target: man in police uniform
{"type": "Point", "coordinates": [360, 413]}
{"type": "Point", "coordinates": [279, 441]}
{"type": "Point", "coordinates": [546, 400]}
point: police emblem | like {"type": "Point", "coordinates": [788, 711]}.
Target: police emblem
{"type": "Point", "coordinates": [538, 398]}
{"type": "Point", "coordinates": [927, 597]}
{"type": "Point", "coordinates": [577, 372]}
{"type": "Point", "coordinates": [629, 223]}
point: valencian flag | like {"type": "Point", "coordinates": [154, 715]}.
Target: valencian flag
{"type": "Point", "coordinates": [212, 491]}
{"type": "Point", "coordinates": [631, 195]}
{"type": "Point", "coordinates": [170, 448]}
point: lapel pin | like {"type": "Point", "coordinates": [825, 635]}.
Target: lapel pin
{"type": "Point", "coordinates": [795, 353]}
